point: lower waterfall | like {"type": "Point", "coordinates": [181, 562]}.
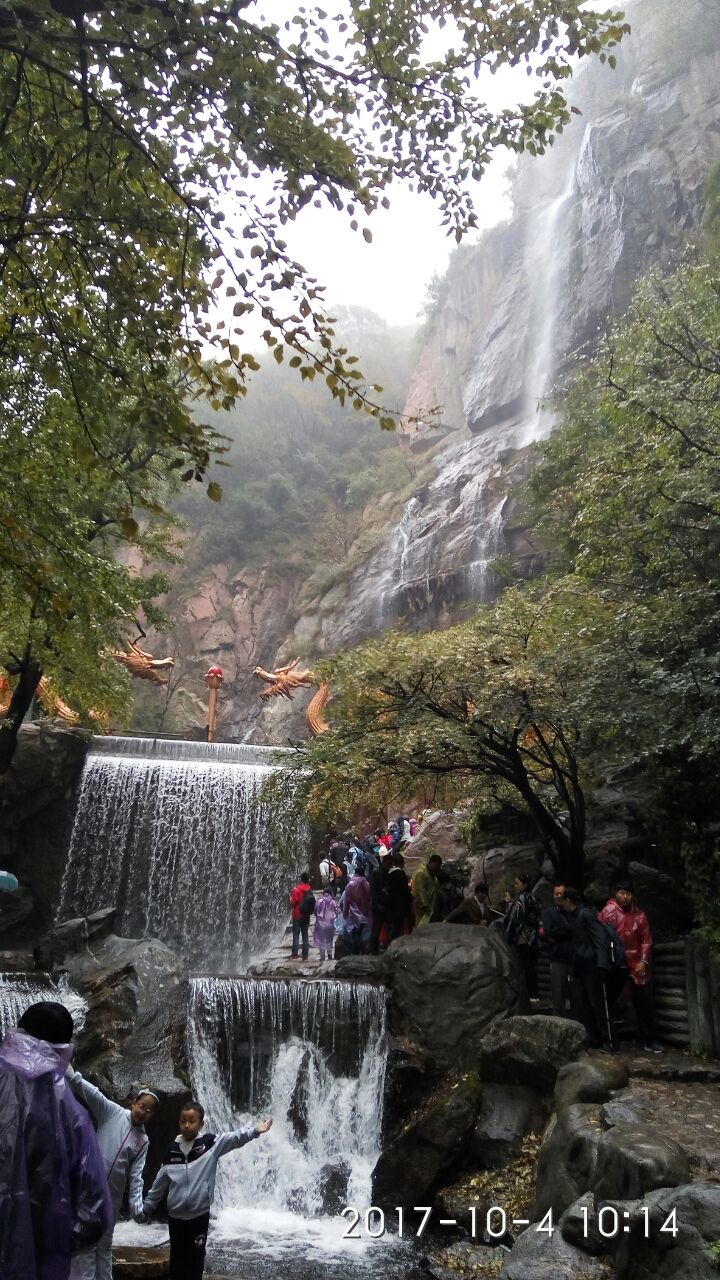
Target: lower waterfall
{"type": "Point", "coordinates": [312, 1056]}
{"type": "Point", "coordinates": [19, 990]}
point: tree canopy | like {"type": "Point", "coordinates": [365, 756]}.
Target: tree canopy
{"type": "Point", "coordinates": [136, 234]}
{"type": "Point", "coordinates": [132, 135]}
{"type": "Point", "coordinates": [492, 708]}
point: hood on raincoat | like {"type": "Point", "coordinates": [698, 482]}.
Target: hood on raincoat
{"type": "Point", "coordinates": [54, 1195]}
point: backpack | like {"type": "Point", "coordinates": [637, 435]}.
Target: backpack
{"type": "Point", "coordinates": [615, 947]}
{"type": "Point", "coordinates": [307, 904]}
{"type": "Point", "coordinates": [360, 864]}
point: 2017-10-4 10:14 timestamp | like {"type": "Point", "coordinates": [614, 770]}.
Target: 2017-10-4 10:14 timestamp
{"type": "Point", "coordinates": [494, 1223]}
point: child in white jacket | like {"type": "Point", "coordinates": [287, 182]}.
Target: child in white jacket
{"type": "Point", "coordinates": [187, 1174]}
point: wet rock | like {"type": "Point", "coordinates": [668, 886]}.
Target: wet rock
{"type": "Point", "coordinates": [361, 968]}
{"type": "Point", "coordinates": [631, 1162]}
{"type": "Point", "coordinates": [73, 936]}
{"type": "Point", "coordinates": [439, 832]}
{"type": "Point", "coordinates": [449, 985]}
{"type": "Point", "coordinates": [507, 1114]}
{"type": "Point", "coordinates": [566, 1167]}
{"type": "Point", "coordinates": [578, 1226]}
{"type": "Point", "coordinates": [432, 1141]}
{"type": "Point", "coordinates": [333, 1182]}
{"type": "Point", "coordinates": [593, 1080]}
{"type": "Point", "coordinates": [16, 962]}
{"type": "Point", "coordinates": [132, 1262]}
{"type": "Point", "coordinates": [461, 1260]}
{"type": "Point", "coordinates": [536, 1256]}
{"type": "Point", "coordinates": [137, 993]}
{"type": "Point", "coordinates": [134, 1031]}
{"type": "Point", "coordinates": [297, 1112]}
{"type": "Point", "coordinates": [530, 1051]}
{"type": "Point", "coordinates": [649, 1253]}
{"type": "Point", "coordinates": [499, 866]}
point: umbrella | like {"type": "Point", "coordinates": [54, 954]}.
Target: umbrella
{"type": "Point", "coordinates": [9, 882]}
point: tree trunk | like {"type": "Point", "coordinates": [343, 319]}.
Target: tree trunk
{"type": "Point", "coordinates": [29, 672]}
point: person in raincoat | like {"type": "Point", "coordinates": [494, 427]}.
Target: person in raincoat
{"type": "Point", "coordinates": [426, 890]}
{"type": "Point", "coordinates": [123, 1142]}
{"type": "Point", "coordinates": [326, 912]}
{"type": "Point", "coordinates": [54, 1195]}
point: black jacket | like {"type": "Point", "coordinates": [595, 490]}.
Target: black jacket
{"type": "Point", "coordinates": [557, 932]}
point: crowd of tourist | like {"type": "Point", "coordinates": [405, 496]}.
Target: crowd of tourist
{"type": "Point", "coordinates": [365, 900]}
{"type": "Point", "coordinates": [63, 1179]}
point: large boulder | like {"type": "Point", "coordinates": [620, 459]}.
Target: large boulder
{"type": "Point", "coordinates": [509, 1112]}
{"type": "Point", "coordinates": [591, 1080]}
{"type": "Point", "coordinates": [137, 997]}
{"type": "Point", "coordinates": [632, 1161]}
{"type": "Point", "coordinates": [538, 1256]}
{"type": "Point", "coordinates": [134, 1030]}
{"type": "Point", "coordinates": [530, 1051]}
{"type": "Point", "coordinates": [499, 866]}
{"type": "Point", "coordinates": [567, 1163]}
{"type": "Point", "coordinates": [432, 1141]}
{"type": "Point", "coordinates": [449, 985]}
{"type": "Point", "coordinates": [683, 1249]}
{"type": "Point", "coordinates": [439, 832]}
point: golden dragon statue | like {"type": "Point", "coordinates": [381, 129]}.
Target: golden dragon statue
{"type": "Point", "coordinates": [138, 662]}
{"type": "Point", "coordinates": [283, 682]}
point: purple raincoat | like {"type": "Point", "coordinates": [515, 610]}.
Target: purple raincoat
{"type": "Point", "coordinates": [357, 904]}
{"type": "Point", "coordinates": [326, 909]}
{"type": "Point", "coordinates": [54, 1195]}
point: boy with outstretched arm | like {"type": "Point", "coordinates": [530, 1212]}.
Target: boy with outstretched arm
{"type": "Point", "coordinates": [188, 1174]}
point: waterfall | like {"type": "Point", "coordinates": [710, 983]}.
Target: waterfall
{"type": "Point", "coordinates": [19, 990]}
{"type": "Point", "coordinates": [489, 542]}
{"type": "Point", "coordinates": [548, 258]}
{"type": "Point", "coordinates": [403, 534]}
{"type": "Point", "coordinates": [172, 836]}
{"type": "Point", "coordinates": [311, 1055]}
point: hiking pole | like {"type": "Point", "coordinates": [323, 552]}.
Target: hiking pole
{"type": "Point", "coordinates": [608, 1023]}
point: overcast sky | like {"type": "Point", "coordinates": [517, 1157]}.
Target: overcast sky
{"type": "Point", "coordinates": [408, 245]}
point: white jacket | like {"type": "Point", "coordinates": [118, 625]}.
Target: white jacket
{"type": "Point", "coordinates": [123, 1144]}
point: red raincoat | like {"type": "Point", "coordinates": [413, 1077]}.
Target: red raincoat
{"type": "Point", "coordinates": [633, 928]}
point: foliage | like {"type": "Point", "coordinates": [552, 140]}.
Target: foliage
{"type": "Point", "coordinates": [133, 135]}
{"type": "Point", "coordinates": [67, 599]}
{"type": "Point", "coordinates": [491, 707]}
{"type": "Point", "coordinates": [303, 469]}
{"type": "Point", "coordinates": [629, 491]}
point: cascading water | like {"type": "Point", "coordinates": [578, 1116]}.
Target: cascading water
{"type": "Point", "coordinates": [549, 254]}
{"type": "Point", "coordinates": [170, 834]}
{"type": "Point", "coordinates": [19, 990]}
{"type": "Point", "coordinates": [404, 533]}
{"type": "Point", "coordinates": [311, 1055]}
{"type": "Point", "coordinates": [489, 545]}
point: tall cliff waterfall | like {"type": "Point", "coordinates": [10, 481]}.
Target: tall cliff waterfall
{"type": "Point", "coordinates": [170, 834]}
{"type": "Point", "coordinates": [311, 1055]}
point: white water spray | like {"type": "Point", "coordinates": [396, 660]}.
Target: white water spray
{"type": "Point", "coordinates": [311, 1056]}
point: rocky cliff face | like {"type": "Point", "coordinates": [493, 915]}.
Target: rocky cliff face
{"type": "Point", "coordinates": [617, 193]}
